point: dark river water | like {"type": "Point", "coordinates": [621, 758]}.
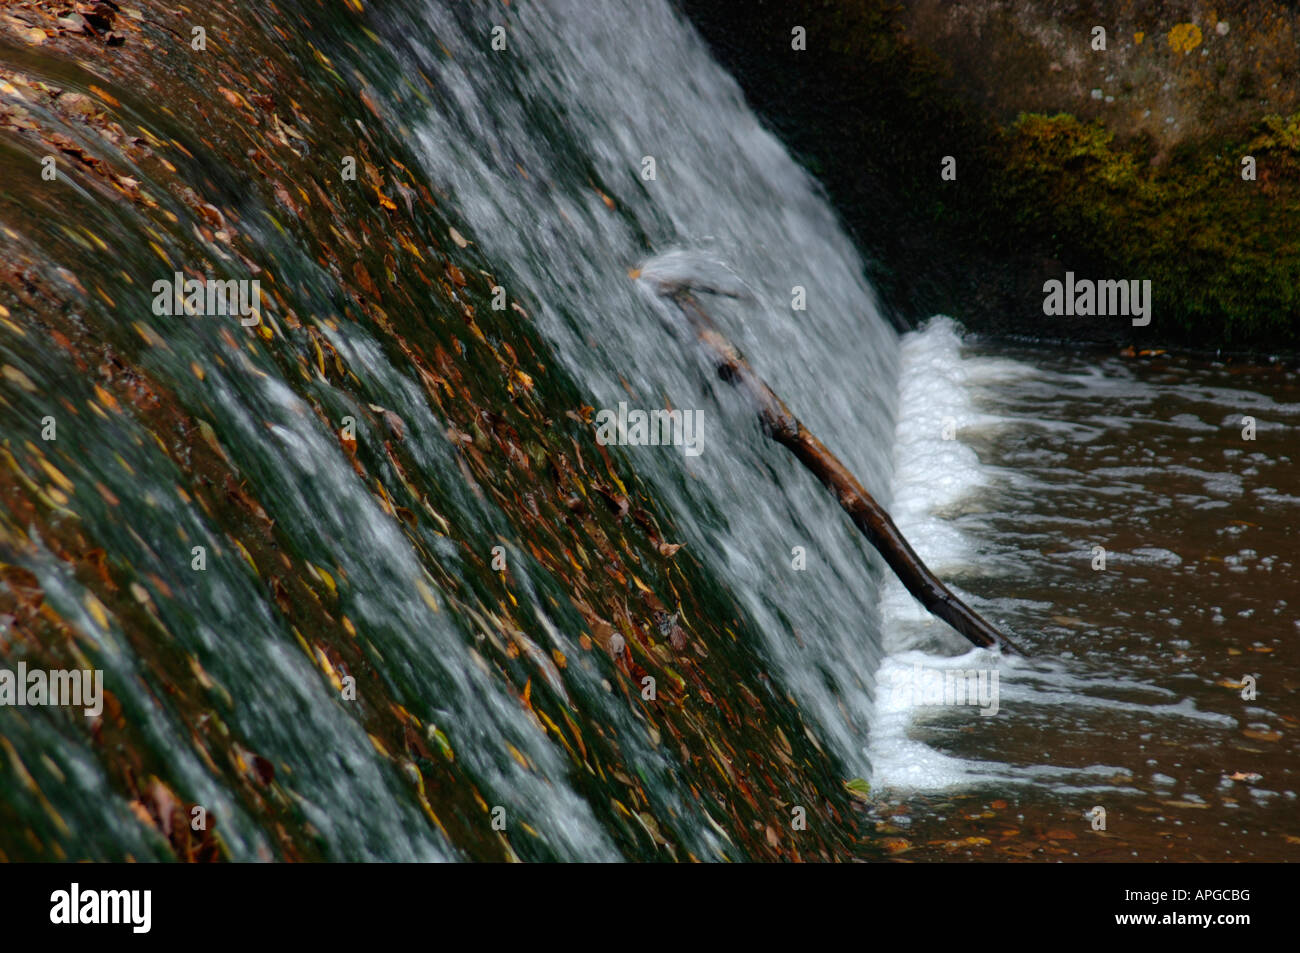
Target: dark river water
{"type": "Point", "coordinates": [1163, 687]}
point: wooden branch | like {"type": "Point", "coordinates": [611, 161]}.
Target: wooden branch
{"type": "Point", "coordinates": [784, 427]}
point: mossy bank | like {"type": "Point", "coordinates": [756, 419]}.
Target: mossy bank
{"type": "Point", "coordinates": [1120, 155]}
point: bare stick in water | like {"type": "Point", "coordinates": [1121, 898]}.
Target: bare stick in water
{"type": "Point", "coordinates": [784, 427]}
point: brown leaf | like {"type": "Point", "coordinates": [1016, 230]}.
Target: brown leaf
{"type": "Point", "coordinates": [165, 805]}
{"type": "Point", "coordinates": [24, 585]}
{"type": "Point", "coordinates": [264, 770]}
{"type": "Point", "coordinates": [395, 424]}
{"type": "Point", "coordinates": [364, 280]}
{"type": "Point", "coordinates": [1262, 735]}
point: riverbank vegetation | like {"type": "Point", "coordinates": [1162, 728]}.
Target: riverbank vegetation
{"type": "Point", "coordinates": [1122, 163]}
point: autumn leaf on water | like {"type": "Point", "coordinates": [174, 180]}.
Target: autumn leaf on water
{"type": "Point", "coordinates": [1262, 735]}
{"type": "Point", "coordinates": [858, 789]}
{"type": "Point", "coordinates": [18, 377]}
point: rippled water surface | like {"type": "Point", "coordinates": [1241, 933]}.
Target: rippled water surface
{"type": "Point", "coordinates": [1133, 699]}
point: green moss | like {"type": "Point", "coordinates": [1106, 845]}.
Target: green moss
{"type": "Point", "coordinates": [1223, 254]}
{"type": "Point", "coordinates": [874, 113]}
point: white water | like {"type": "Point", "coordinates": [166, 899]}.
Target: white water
{"type": "Point", "coordinates": [540, 151]}
{"type": "Point", "coordinates": [592, 91]}
{"type": "Point", "coordinates": [1017, 533]}
{"type": "Point", "coordinates": [935, 470]}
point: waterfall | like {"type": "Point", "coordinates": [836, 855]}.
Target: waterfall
{"type": "Point", "coordinates": [597, 145]}
{"type": "Point", "coordinates": [519, 139]}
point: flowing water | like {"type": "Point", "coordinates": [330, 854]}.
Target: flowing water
{"type": "Point", "coordinates": [591, 98]}
{"type": "Point", "coordinates": [1127, 515]}
{"type": "Point", "coordinates": [594, 158]}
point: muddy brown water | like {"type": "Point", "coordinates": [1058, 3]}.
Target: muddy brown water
{"type": "Point", "coordinates": [1139, 697]}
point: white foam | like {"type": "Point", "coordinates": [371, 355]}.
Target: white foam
{"type": "Point", "coordinates": [897, 761]}
{"type": "Point", "coordinates": [934, 471]}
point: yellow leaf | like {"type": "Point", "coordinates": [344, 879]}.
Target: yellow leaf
{"type": "Point", "coordinates": [18, 377]}
{"type": "Point", "coordinates": [518, 756]}
{"type": "Point", "coordinates": [105, 398]}
{"type": "Point", "coordinates": [246, 556]}
{"type": "Point", "coordinates": [56, 476]}
{"type": "Point", "coordinates": [426, 594]}
{"type": "Point", "coordinates": [96, 609]}
{"type": "Point", "coordinates": [1262, 735]}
